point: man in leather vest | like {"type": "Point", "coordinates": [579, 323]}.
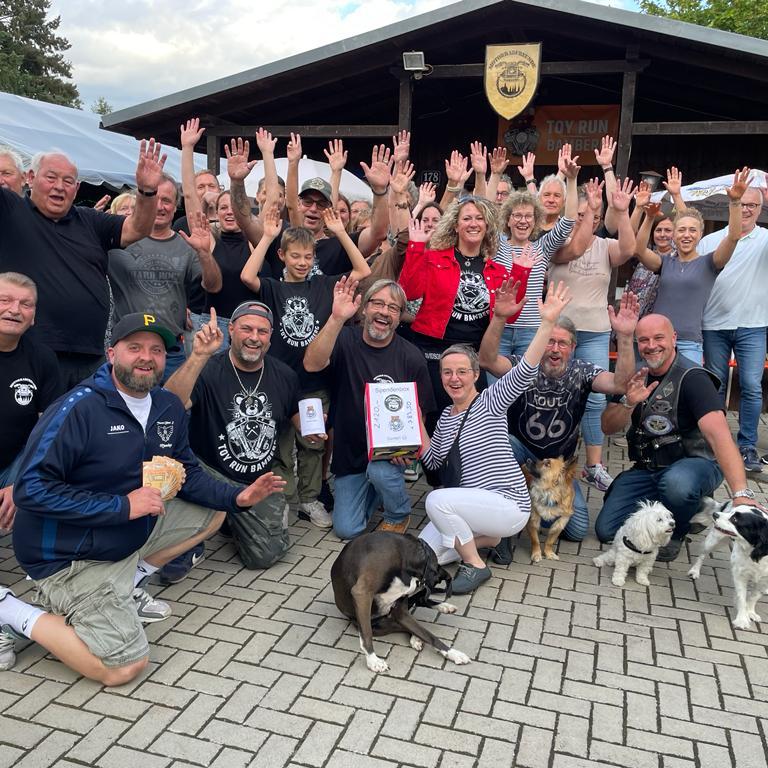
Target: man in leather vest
{"type": "Point", "coordinates": [678, 438]}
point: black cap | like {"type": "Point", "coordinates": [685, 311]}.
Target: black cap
{"type": "Point", "coordinates": [138, 321]}
{"type": "Point", "coordinates": [257, 308]}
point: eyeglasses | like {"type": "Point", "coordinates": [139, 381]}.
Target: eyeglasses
{"type": "Point", "coordinates": [502, 194]}
{"type": "Point", "coordinates": [559, 344]}
{"type": "Point", "coordinates": [750, 206]}
{"type": "Point", "coordinates": [321, 203]}
{"type": "Point", "coordinates": [379, 306]}
{"type": "Point", "coordinates": [460, 372]}
{"type": "Point", "coordinates": [522, 217]}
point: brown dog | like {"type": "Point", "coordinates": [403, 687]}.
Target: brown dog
{"type": "Point", "coordinates": [550, 483]}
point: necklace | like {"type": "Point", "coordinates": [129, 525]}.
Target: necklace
{"type": "Point", "coordinates": [239, 381]}
{"type": "Point", "coordinates": [467, 259]}
{"type": "Point", "coordinates": [684, 263]}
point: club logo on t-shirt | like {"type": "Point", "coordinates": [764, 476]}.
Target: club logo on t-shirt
{"type": "Point", "coordinates": [23, 390]}
{"type": "Point", "coordinates": [383, 378]}
{"type": "Point", "coordinates": [250, 440]}
{"type": "Point", "coordinates": [164, 432]}
{"type": "Point", "coordinates": [154, 273]}
{"type": "Point", "coordinates": [298, 325]}
{"type": "Point", "coordinates": [473, 301]}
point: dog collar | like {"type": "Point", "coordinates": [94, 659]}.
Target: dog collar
{"type": "Point", "coordinates": [629, 545]}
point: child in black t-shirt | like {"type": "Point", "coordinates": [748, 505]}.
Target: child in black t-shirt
{"type": "Point", "coordinates": [301, 306]}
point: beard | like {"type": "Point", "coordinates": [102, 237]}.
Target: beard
{"type": "Point", "coordinates": [133, 382]}
{"type": "Point", "coordinates": [247, 355]}
{"type": "Point", "coordinates": [378, 334]}
{"type": "Point", "coordinates": [553, 370]}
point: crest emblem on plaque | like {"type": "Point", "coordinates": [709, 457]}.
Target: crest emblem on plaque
{"type": "Point", "coordinates": [511, 76]}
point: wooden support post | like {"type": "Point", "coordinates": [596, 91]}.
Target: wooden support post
{"type": "Point", "coordinates": [627, 117]}
{"type": "Point", "coordinates": [406, 102]}
{"type": "Point", "coordinates": [212, 148]}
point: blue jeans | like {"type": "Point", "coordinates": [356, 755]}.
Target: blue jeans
{"type": "Point", "coordinates": [358, 496]}
{"type": "Point", "coordinates": [222, 322]}
{"type": "Point", "coordinates": [693, 350]}
{"type": "Point", "coordinates": [679, 487]}
{"type": "Point", "coordinates": [592, 346]}
{"type": "Point", "coordinates": [514, 341]}
{"type": "Point", "coordinates": [748, 345]}
{"type": "Point", "coordinates": [578, 525]}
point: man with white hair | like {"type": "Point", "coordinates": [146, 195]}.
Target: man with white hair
{"type": "Point", "coordinates": [11, 170]}
{"type": "Point", "coordinates": [63, 248]}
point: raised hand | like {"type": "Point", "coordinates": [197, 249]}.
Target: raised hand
{"type": "Point", "coordinates": [404, 172]}
{"type": "Point", "coordinates": [594, 192]}
{"type": "Point", "coordinates": [378, 172]}
{"type": "Point", "coordinates": [604, 155]}
{"type": "Point", "coordinates": [653, 210]}
{"type": "Point", "coordinates": [345, 303]}
{"type": "Point", "coordinates": [101, 204]}
{"type": "Point", "coordinates": [265, 142]}
{"type": "Point", "coordinates": [526, 169]}
{"type": "Point", "coordinates": [332, 221]}
{"type": "Point", "coordinates": [566, 164]}
{"type": "Point", "coordinates": [336, 155]}
{"type": "Point", "coordinates": [416, 233]}
{"type": "Point", "coordinates": [191, 132]}
{"type": "Point", "coordinates": [740, 183]}
{"type": "Point", "coordinates": [622, 196]}
{"type": "Point", "coordinates": [528, 256]}
{"type": "Point", "coordinates": [293, 150]}
{"type": "Point", "coordinates": [401, 144]}
{"type": "Point", "coordinates": [478, 157]}
{"type": "Point", "coordinates": [642, 194]}
{"type": "Point", "coordinates": [427, 193]}
{"type": "Point", "coordinates": [273, 224]}
{"type": "Point", "coordinates": [625, 320]}
{"type": "Point", "coordinates": [199, 236]}
{"type": "Point", "coordinates": [258, 490]}
{"type": "Point", "coordinates": [558, 298]}
{"type": "Point", "coordinates": [674, 181]}
{"type": "Point", "coordinates": [149, 170]}
{"type": "Point", "coordinates": [637, 392]}
{"type": "Point", "coordinates": [209, 338]}
{"type": "Point", "coordinates": [238, 165]}
{"type": "Point", "coordinates": [456, 169]}
{"type": "Point", "coordinates": [507, 303]}
{"type": "Point", "coordinates": [498, 160]}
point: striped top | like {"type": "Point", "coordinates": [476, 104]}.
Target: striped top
{"type": "Point", "coordinates": [544, 247]}
{"type": "Point", "coordinates": [487, 460]}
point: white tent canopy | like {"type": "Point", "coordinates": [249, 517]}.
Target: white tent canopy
{"type": "Point", "coordinates": [102, 157]}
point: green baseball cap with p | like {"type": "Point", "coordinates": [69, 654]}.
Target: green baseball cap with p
{"type": "Point", "coordinates": [317, 185]}
{"type": "Point", "coordinates": [142, 321]}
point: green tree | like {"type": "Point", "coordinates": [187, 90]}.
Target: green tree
{"type": "Point", "coordinates": [746, 17]}
{"type": "Point", "coordinates": [31, 60]}
{"type": "Point", "coordinates": [101, 106]}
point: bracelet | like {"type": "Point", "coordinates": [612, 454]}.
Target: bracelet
{"type": "Point", "coordinates": [380, 194]}
{"type": "Point", "coordinates": [449, 188]}
{"type": "Point", "coordinates": [607, 168]}
{"type": "Point", "coordinates": [530, 181]}
{"type": "Point", "coordinates": [147, 193]}
{"type": "Point", "coordinates": [402, 206]}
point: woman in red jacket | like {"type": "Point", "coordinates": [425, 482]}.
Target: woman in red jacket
{"type": "Point", "coordinates": [457, 278]}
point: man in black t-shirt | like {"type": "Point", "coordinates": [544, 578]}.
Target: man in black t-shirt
{"type": "Point", "coordinates": [679, 438]}
{"type": "Point", "coordinates": [356, 356]}
{"type": "Point", "coordinates": [29, 381]}
{"type": "Point", "coordinates": [63, 248]}
{"type": "Point", "coordinates": [238, 400]}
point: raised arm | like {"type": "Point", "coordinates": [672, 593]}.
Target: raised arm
{"type": "Point", "coordinates": [427, 193]}
{"type": "Point", "coordinates": [149, 174]}
{"type": "Point", "coordinates": [673, 185]}
{"type": "Point", "coordinates": [498, 162]}
{"type": "Point", "coordinates": [345, 306]}
{"type": "Point", "coordinates": [238, 168]}
{"type": "Point", "coordinates": [735, 192]}
{"type": "Point", "coordinates": [642, 198]}
{"type": "Point", "coordinates": [506, 303]}
{"type": "Point", "coordinates": [334, 224]}
{"type": "Point", "coordinates": [604, 157]}
{"type": "Point", "coordinates": [621, 250]}
{"type": "Point", "coordinates": [336, 156]}
{"type": "Point", "coordinates": [623, 324]}
{"type": "Point", "coordinates": [527, 171]}
{"type": "Point", "coordinates": [266, 144]}
{"type": "Point", "coordinates": [478, 158]}
{"type": "Point", "coordinates": [399, 199]}
{"type": "Point", "coordinates": [557, 299]}
{"type": "Point", "coordinates": [457, 173]}
{"type": "Point", "coordinates": [272, 228]}
{"type": "Point", "coordinates": [293, 151]}
{"type": "Point", "coordinates": [190, 133]}
{"type": "Point", "coordinates": [377, 174]}
{"type": "Point", "coordinates": [200, 239]}
{"type": "Point", "coordinates": [648, 258]}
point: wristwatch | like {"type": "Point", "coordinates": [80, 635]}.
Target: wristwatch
{"type": "Point", "coordinates": [746, 493]}
{"type": "Point", "coordinates": [628, 406]}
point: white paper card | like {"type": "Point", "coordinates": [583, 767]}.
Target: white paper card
{"type": "Point", "coordinates": [311, 416]}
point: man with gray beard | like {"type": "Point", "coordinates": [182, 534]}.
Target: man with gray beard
{"type": "Point", "coordinates": [544, 421]}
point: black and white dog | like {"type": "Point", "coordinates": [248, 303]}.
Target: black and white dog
{"type": "Point", "coordinates": [378, 579]}
{"type": "Point", "coordinates": [747, 527]}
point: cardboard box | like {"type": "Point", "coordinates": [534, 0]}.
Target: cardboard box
{"type": "Point", "coordinates": [392, 420]}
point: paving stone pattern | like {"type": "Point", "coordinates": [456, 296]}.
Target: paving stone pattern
{"type": "Point", "coordinates": [568, 671]}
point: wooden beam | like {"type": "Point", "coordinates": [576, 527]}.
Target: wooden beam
{"type": "Point", "coordinates": [628, 89]}
{"type": "Point", "coordinates": [700, 127]}
{"type": "Point", "coordinates": [405, 102]}
{"type": "Point", "coordinates": [547, 68]}
{"type": "Point", "coordinates": [213, 152]}
{"type": "Point", "coordinates": [307, 131]}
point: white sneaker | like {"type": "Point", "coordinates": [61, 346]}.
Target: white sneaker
{"type": "Point", "coordinates": [7, 640]}
{"type": "Point", "coordinates": [597, 476]}
{"type": "Point", "coordinates": [148, 608]}
{"type": "Point", "coordinates": [412, 472]}
{"type": "Point", "coordinates": [316, 513]}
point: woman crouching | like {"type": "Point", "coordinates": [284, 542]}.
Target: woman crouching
{"type": "Point", "coordinates": [490, 499]}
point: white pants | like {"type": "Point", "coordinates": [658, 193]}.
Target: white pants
{"type": "Point", "coordinates": [463, 513]}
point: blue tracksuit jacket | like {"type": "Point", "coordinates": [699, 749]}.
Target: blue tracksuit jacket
{"type": "Point", "coordinates": [82, 459]}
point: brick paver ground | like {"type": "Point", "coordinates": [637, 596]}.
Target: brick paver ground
{"type": "Point", "coordinates": [259, 669]}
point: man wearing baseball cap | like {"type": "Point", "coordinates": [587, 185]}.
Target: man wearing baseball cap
{"type": "Point", "coordinates": [88, 529]}
{"type": "Point", "coordinates": [238, 399]}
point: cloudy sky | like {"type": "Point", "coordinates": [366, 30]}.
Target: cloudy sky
{"type": "Point", "coordinates": [130, 51]}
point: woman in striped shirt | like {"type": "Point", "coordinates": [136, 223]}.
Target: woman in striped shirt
{"type": "Point", "coordinates": [492, 501]}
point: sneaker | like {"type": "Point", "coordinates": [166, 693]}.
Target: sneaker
{"type": "Point", "coordinates": [7, 640]}
{"type": "Point", "coordinates": [401, 527]}
{"type": "Point", "coordinates": [620, 442]}
{"type": "Point", "coordinates": [179, 567]}
{"type": "Point", "coordinates": [751, 461]}
{"type": "Point", "coordinates": [316, 513]}
{"type": "Point", "coordinates": [326, 497]}
{"type": "Point", "coordinates": [468, 578]}
{"type": "Point", "coordinates": [670, 552]}
{"type": "Point", "coordinates": [764, 458]}
{"type": "Point", "coordinates": [412, 472]}
{"type": "Point", "coordinates": [148, 608]}
{"type": "Point", "coordinates": [597, 476]}
{"type": "Point", "coordinates": [502, 552]}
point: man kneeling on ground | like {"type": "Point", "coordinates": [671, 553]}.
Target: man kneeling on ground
{"type": "Point", "coordinates": [87, 531]}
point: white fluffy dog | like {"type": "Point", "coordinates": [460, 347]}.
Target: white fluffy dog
{"type": "Point", "coordinates": [637, 542]}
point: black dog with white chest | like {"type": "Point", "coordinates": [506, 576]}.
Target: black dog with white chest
{"type": "Point", "coordinates": [378, 579]}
